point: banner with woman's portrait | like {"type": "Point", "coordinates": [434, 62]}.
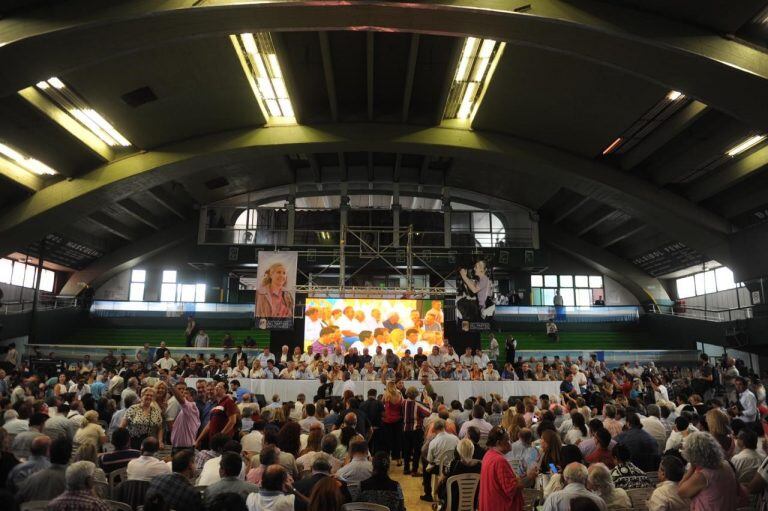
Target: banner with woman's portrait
{"type": "Point", "coordinates": [276, 290]}
{"type": "Point", "coordinates": [475, 306]}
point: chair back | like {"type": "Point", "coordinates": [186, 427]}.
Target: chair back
{"type": "Point", "coordinates": [118, 506]}
{"type": "Point", "coordinates": [35, 505]}
{"type": "Point", "coordinates": [133, 493]}
{"type": "Point", "coordinates": [117, 476]}
{"type": "Point", "coordinates": [445, 461]}
{"type": "Point", "coordinates": [102, 489]}
{"type": "Point", "coordinates": [353, 487]}
{"type": "Point", "coordinates": [639, 497]}
{"type": "Point", "coordinates": [467, 485]}
{"type": "Point", "coordinates": [531, 498]}
{"type": "Point", "coordinates": [363, 506]}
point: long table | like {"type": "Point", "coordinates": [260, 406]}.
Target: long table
{"type": "Point", "coordinates": [450, 390]}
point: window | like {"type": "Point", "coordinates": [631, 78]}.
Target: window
{"type": "Point", "coordinates": [168, 287]}
{"type": "Point", "coordinates": [136, 290]}
{"type": "Point", "coordinates": [686, 287]}
{"type": "Point", "coordinates": [576, 290]}
{"type": "Point", "coordinates": [190, 292]}
{"type": "Point", "coordinates": [17, 279]}
{"type": "Point", "coordinates": [46, 281]}
{"type": "Point", "coordinates": [6, 270]}
{"type": "Point", "coordinates": [710, 281]}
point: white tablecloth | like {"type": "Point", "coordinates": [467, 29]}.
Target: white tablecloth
{"type": "Point", "coordinates": [450, 390]}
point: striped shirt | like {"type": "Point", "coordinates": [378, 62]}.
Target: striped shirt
{"type": "Point", "coordinates": [414, 414]}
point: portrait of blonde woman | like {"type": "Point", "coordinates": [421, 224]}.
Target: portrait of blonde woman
{"type": "Point", "coordinates": [273, 300]}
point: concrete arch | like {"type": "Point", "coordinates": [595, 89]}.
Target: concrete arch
{"type": "Point", "coordinates": [719, 72]}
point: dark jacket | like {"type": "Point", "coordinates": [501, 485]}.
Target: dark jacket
{"type": "Point", "coordinates": [305, 487]}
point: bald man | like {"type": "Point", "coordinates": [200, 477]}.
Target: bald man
{"type": "Point", "coordinates": [575, 476]}
{"type": "Point", "coordinates": [38, 460]}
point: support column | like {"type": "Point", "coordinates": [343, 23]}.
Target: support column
{"type": "Point", "coordinates": [396, 208]}
{"type": "Point", "coordinates": [291, 220]}
{"type": "Point", "coordinates": [36, 293]}
{"type": "Point", "coordinates": [343, 210]}
{"type": "Point", "coordinates": [535, 239]}
{"type": "Point", "coordinates": [447, 222]}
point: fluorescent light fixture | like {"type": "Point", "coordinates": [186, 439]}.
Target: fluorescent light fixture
{"type": "Point", "coordinates": [77, 108]}
{"type": "Point", "coordinates": [27, 163]}
{"type": "Point", "coordinates": [477, 63]}
{"type": "Point", "coordinates": [745, 145]}
{"type": "Point", "coordinates": [258, 57]}
{"type": "Point", "coordinates": [613, 146]}
{"type": "Point", "coordinates": [674, 95]}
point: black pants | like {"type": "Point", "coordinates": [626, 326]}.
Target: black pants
{"type": "Point", "coordinates": [412, 441]}
{"type": "Point", "coordinates": [392, 439]}
{"type": "Point", "coordinates": [426, 478]}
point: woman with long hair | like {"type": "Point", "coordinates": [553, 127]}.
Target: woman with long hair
{"type": "Point", "coordinates": [475, 373]}
{"type": "Point", "coordinates": [392, 422]}
{"type": "Point", "coordinates": [272, 300]}
{"type": "Point", "coordinates": [550, 451]}
{"type": "Point", "coordinates": [578, 432]}
{"type": "Point", "coordinates": [314, 439]}
{"type": "Point", "coordinates": [518, 423]}
{"type": "Point", "coordinates": [719, 426]}
{"type": "Point", "coordinates": [289, 438]}
{"type": "Point", "coordinates": [326, 495]}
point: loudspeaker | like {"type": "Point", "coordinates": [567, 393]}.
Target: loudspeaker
{"type": "Point", "coordinates": [261, 400]}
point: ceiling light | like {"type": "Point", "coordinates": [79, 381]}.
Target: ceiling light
{"type": "Point", "coordinates": [674, 95]}
{"type": "Point", "coordinates": [474, 71]}
{"type": "Point", "coordinates": [613, 146]}
{"type": "Point", "coordinates": [29, 164]}
{"type": "Point", "coordinates": [258, 57]}
{"type": "Point", "coordinates": [78, 109]}
{"type": "Point", "coordinates": [745, 145]}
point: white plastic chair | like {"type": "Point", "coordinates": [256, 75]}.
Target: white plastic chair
{"type": "Point", "coordinates": [363, 506]}
{"type": "Point", "coordinates": [118, 506]}
{"type": "Point", "coordinates": [467, 485]}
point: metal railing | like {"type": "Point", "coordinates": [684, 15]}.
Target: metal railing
{"type": "Point", "coordinates": [714, 315]}
{"type": "Point", "coordinates": [47, 302]}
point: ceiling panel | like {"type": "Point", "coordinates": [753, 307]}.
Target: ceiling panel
{"type": "Point", "coordinates": [199, 83]}
{"type": "Point", "coordinates": [301, 55]}
{"type": "Point", "coordinates": [562, 101]}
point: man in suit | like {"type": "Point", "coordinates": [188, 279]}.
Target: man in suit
{"type": "Point", "coordinates": [320, 470]}
{"type": "Point", "coordinates": [237, 355]}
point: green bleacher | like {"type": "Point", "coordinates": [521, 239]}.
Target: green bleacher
{"type": "Point", "coordinates": [172, 337]}
{"type": "Point", "coordinates": [597, 340]}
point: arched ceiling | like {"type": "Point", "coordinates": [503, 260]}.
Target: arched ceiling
{"type": "Point", "coordinates": [369, 81]}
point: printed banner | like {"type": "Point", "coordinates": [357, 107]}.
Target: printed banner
{"type": "Point", "coordinates": [276, 290]}
{"type": "Point", "coordinates": [475, 306]}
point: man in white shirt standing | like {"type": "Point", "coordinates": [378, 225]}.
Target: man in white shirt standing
{"type": "Point", "coordinates": [312, 325]}
{"type": "Point", "coordinates": [747, 400]}
{"type": "Point", "coordinates": [166, 362]}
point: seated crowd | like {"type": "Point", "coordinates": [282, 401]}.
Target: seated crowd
{"type": "Point", "coordinates": [681, 438]}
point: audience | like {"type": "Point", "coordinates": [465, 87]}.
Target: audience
{"type": "Point", "coordinates": [666, 496]}
{"type": "Point", "coordinates": [599, 481]}
{"type": "Point", "coordinates": [78, 495]}
{"type": "Point", "coordinates": [176, 488]}
{"type": "Point", "coordinates": [379, 488]}
{"type": "Point", "coordinates": [147, 466]}
{"type": "Point", "coordinates": [710, 482]}
{"type": "Point", "coordinates": [49, 483]}
{"type": "Point", "coordinates": [229, 469]}
{"type": "Point", "coordinates": [575, 476]}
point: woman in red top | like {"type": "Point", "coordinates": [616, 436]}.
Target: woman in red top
{"type": "Point", "coordinates": [392, 422]}
{"type": "Point", "coordinates": [500, 488]}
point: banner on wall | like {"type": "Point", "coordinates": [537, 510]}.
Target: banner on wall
{"type": "Point", "coordinates": [475, 306]}
{"type": "Point", "coordinates": [368, 323]}
{"type": "Point", "coordinates": [276, 290]}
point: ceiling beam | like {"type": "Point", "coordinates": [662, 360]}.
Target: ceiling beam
{"type": "Point", "coordinates": [723, 73]}
{"type": "Point", "coordinates": [643, 286]}
{"type": "Point", "coordinates": [620, 233]}
{"type": "Point", "coordinates": [129, 256]}
{"type": "Point", "coordinates": [109, 224]}
{"type": "Point", "coordinates": [599, 217]}
{"type": "Point", "coordinates": [163, 198]}
{"type": "Point", "coordinates": [410, 73]}
{"type": "Point", "coordinates": [20, 176]}
{"type": "Point", "coordinates": [660, 136]}
{"type": "Point", "coordinates": [458, 45]}
{"type": "Point", "coordinates": [369, 58]}
{"type": "Point", "coordinates": [569, 211]}
{"type": "Point", "coordinates": [728, 175]}
{"type": "Point", "coordinates": [330, 82]}
{"type": "Point", "coordinates": [55, 204]}
{"type": "Point", "coordinates": [136, 211]}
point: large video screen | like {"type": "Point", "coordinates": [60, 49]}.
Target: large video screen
{"type": "Point", "coordinates": [370, 322]}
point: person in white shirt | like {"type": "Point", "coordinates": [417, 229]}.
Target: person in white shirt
{"type": "Point", "coordinates": [379, 358]}
{"type": "Point", "coordinates": [665, 497]}
{"type": "Point", "coordinates": [308, 356]}
{"type": "Point", "coordinates": [493, 348]}
{"type": "Point", "coordinates": [13, 425]}
{"type": "Point", "coordinates": [467, 359]}
{"type": "Point", "coordinates": [347, 324]}
{"type": "Point", "coordinates": [482, 425]}
{"type": "Point", "coordinates": [264, 356]}
{"type": "Point", "coordinates": [480, 358]}
{"type": "Point", "coordinates": [660, 392]}
{"type": "Point", "coordinates": [575, 476]}
{"type": "Point", "coordinates": [201, 339]}
{"type": "Point", "coordinates": [435, 359]}
{"type": "Point", "coordinates": [147, 466]}
{"type": "Point", "coordinates": [747, 400]}
{"type": "Point", "coordinates": [748, 460]}
{"type": "Point", "coordinates": [312, 324]}
{"type": "Point", "coordinates": [368, 373]}
{"type": "Point", "coordinates": [289, 373]}
{"type": "Point", "coordinates": [450, 356]}
{"type": "Point", "coordinates": [166, 362]}
{"type": "Point", "coordinates": [257, 371]}
{"type": "Point", "coordinates": [579, 378]}
{"type": "Point", "coordinates": [211, 473]}
{"type": "Point", "coordinates": [654, 427]}
{"type": "Point", "coordinates": [491, 374]}
{"type": "Point", "coordinates": [683, 428]}
{"type": "Point", "coordinates": [359, 467]}
{"type": "Point", "coordinates": [241, 371]}
{"type": "Point", "coordinates": [276, 491]}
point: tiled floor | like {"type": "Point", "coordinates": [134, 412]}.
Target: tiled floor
{"type": "Point", "coordinates": [412, 488]}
